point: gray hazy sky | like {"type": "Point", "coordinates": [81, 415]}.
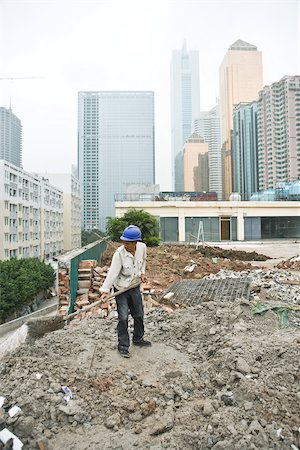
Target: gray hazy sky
{"type": "Point", "coordinates": [125, 45]}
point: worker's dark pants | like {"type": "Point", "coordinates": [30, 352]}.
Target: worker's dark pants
{"type": "Point", "coordinates": [130, 301]}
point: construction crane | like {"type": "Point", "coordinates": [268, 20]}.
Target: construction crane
{"type": "Point", "coordinates": [19, 78]}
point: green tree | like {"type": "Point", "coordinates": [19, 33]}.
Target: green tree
{"type": "Point", "coordinates": [20, 281]}
{"type": "Point", "coordinates": [87, 237]}
{"type": "Point", "coordinates": [145, 221]}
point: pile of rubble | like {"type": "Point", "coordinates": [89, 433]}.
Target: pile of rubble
{"type": "Point", "coordinates": [217, 377]}
{"type": "Point", "coordinates": [292, 263]}
{"type": "Point", "coordinates": [169, 263]}
{"type": "Point", "coordinates": [90, 279]}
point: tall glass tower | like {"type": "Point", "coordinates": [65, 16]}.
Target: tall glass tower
{"type": "Point", "coordinates": [10, 137]}
{"type": "Point", "coordinates": [244, 150]}
{"type": "Point", "coordinates": [115, 148]}
{"type": "Point", "coordinates": [185, 104]}
{"type": "Point", "coordinates": [240, 82]}
{"type": "Point", "coordinates": [207, 125]}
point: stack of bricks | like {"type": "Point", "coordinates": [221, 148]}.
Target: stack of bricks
{"type": "Point", "coordinates": [63, 291]}
{"type": "Point", "coordinates": [90, 280]}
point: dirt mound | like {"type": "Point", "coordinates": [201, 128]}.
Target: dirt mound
{"type": "Point", "coordinates": [216, 377]}
{"type": "Point", "coordinates": [169, 263]}
{"type": "Point", "coordinates": [231, 254]}
{"type": "Point", "coordinates": [292, 263]}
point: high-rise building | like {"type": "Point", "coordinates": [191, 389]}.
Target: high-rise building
{"type": "Point", "coordinates": [240, 81]}
{"type": "Point", "coordinates": [31, 215]}
{"type": "Point", "coordinates": [115, 147]}
{"type": "Point", "coordinates": [10, 137]}
{"type": "Point", "coordinates": [70, 186]}
{"type": "Point", "coordinates": [207, 125]}
{"type": "Point", "coordinates": [279, 133]}
{"type": "Point", "coordinates": [195, 164]}
{"type": "Point", "coordinates": [185, 103]}
{"type": "Point", "coordinates": [244, 150]}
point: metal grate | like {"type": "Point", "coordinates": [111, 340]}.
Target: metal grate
{"type": "Point", "coordinates": [193, 292]}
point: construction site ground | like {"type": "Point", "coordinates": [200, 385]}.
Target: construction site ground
{"type": "Point", "coordinates": [216, 377]}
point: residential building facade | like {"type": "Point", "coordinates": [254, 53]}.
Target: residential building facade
{"type": "Point", "coordinates": [70, 186]}
{"type": "Point", "coordinates": [244, 150]}
{"type": "Point", "coordinates": [31, 215]}
{"type": "Point", "coordinates": [10, 137]}
{"type": "Point", "coordinates": [115, 147]}
{"type": "Point", "coordinates": [240, 81]}
{"type": "Point", "coordinates": [207, 125]}
{"type": "Point", "coordinates": [279, 133]}
{"type": "Point", "coordinates": [185, 102]}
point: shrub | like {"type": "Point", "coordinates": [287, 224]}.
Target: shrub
{"type": "Point", "coordinates": [145, 221]}
{"type": "Point", "coordinates": [20, 281]}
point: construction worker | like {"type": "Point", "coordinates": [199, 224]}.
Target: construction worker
{"type": "Point", "coordinates": [127, 267]}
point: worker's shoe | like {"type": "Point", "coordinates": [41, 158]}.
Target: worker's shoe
{"type": "Point", "coordinates": [142, 343]}
{"type": "Point", "coordinates": [124, 353]}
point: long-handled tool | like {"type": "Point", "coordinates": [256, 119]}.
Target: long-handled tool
{"type": "Point", "coordinates": [37, 327]}
{"type": "Point", "coordinates": [107, 299]}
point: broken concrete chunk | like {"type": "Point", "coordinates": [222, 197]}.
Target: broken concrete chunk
{"type": "Point", "coordinates": [242, 366]}
{"type": "Point", "coordinates": [168, 296]}
{"type": "Point", "coordinates": [189, 268]}
{"type": "Point", "coordinates": [6, 435]}
{"type": "Point", "coordinates": [113, 421]}
{"type": "Point", "coordinates": [165, 423]}
{"type": "Point", "coordinates": [208, 408]}
{"type": "Point", "coordinates": [71, 408]}
{"type": "Point", "coordinates": [14, 411]}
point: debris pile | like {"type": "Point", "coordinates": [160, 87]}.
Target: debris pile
{"type": "Point", "coordinates": [63, 291]}
{"type": "Point", "coordinates": [292, 263]}
{"type": "Point", "coordinates": [169, 263]}
{"type": "Point", "coordinates": [90, 279]}
{"type": "Point", "coordinates": [216, 377]}
{"type": "Point", "coordinates": [209, 251]}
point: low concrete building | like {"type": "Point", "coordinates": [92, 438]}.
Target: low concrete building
{"type": "Point", "coordinates": [221, 221]}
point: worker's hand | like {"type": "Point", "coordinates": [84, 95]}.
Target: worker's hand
{"type": "Point", "coordinates": [103, 296]}
{"type": "Point", "coordinates": [143, 278]}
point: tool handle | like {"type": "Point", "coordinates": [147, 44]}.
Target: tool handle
{"type": "Point", "coordinates": [86, 308]}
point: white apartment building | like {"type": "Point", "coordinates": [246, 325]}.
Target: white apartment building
{"type": "Point", "coordinates": [31, 215]}
{"type": "Point", "coordinates": [71, 188]}
{"type": "Point", "coordinates": [278, 125]}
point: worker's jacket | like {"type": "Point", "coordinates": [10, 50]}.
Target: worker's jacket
{"type": "Point", "coordinates": [125, 268]}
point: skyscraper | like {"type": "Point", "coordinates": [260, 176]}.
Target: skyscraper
{"type": "Point", "coordinates": [244, 150]}
{"type": "Point", "coordinates": [207, 125]}
{"type": "Point", "coordinates": [240, 81]}
{"type": "Point", "coordinates": [185, 102]}
{"type": "Point", "coordinates": [195, 164]}
{"type": "Point", "coordinates": [115, 147]}
{"type": "Point", "coordinates": [279, 133]}
{"type": "Point", "coordinates": [10, 137]}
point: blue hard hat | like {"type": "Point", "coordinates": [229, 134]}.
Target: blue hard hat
{"type": "Point", "coordinates": [131, 233]}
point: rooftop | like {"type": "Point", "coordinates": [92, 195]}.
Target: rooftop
{"type": "Point", "coordinates": [242, 45]}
